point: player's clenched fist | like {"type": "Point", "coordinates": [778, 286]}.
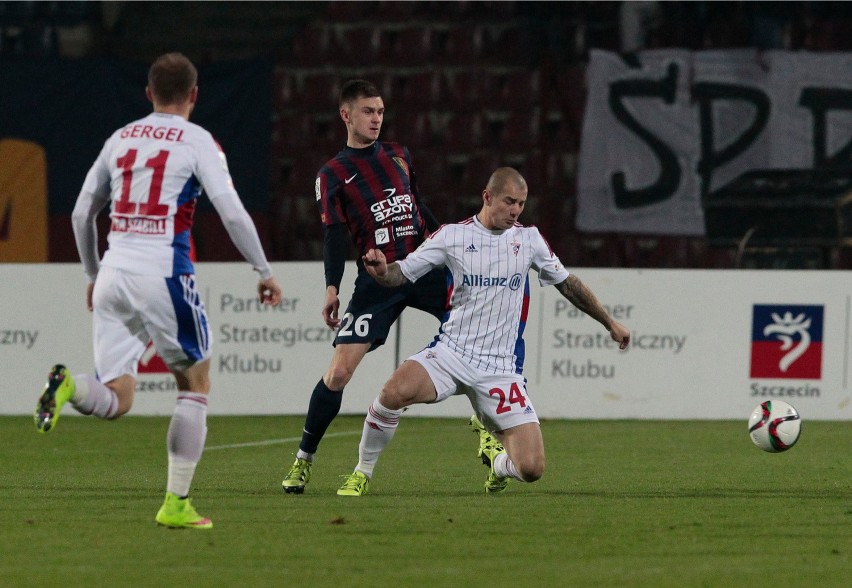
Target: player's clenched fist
{"type": "Point", "coordinates": [375, 262]}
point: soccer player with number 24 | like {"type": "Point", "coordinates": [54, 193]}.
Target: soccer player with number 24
{"type": "Point", "coordinates": [479, 350]}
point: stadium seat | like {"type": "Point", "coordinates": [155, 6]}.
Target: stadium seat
{"type": "Point", "coordinates": [290, 133]}
{"type": "Point", "coordinates": [477, 170]}
{"type": "Point", "coordinates": [463, 132]}
{"type": "Point", "coordinates": [423, 89]}
{"type": "Point", "coordinates": [410, 46]}
{"type": "Point", "coordinates": [409, 127]}
{"type": "Point", "coordinates": [396, 11]}
{"type": "Point", "coordinates": [521, 131]}
{"type": "Point", "coordinates": [285, 90]}
{"type": "Point", "coordinates": [465, 45]}
{"type": "Point", "coordinates": [471, 89]}
{"type": "Point", "coordinates": [505, 46]}
{"type": "Point", "coordinates": [541, 169]}
{"type": "Point", "coordinates": [430, 168]}
{"type": "Point", "coordinates": [599, 250]}
{"type": "Point", "coordinates": [361, 45]}
{"type": "Point", "coordinates": [571, 90]}
{"type": "Point", "coordinates": [521, 89]}
{"type": "Point", "coordinates": [314, 46]}
{"type": "Point", "coordinates": [319, 92]}
{"type": "Point", "coordinates": [347, 11]}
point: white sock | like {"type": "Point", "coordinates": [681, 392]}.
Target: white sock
{"type": "Point", "coordinates": [379, 428]}
{"type": "Point", "coordinates": [185, 440]}
{"type": "Point", "coordinates": [92, 397]}
{"type": "Point", "coordinates": [504, 468]}
{"type": "Point", "coordinates": [306, 456]}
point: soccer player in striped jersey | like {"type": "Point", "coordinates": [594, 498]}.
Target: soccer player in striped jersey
{"type": "Point", "coordinates": [479, 350]}
{"type": "Point", "coordinates": [367, 193]}
{"type": "Point", "coordinates": [152, 171]}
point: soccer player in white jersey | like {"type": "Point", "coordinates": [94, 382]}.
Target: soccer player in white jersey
{"type": "Point", "coordinates": [152, 172]}
{"type": "Point", "coordinates": [479, 350]}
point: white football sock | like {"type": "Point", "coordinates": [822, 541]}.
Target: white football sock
{"type": "Point", "coordinates": [504, 468]}
{"type": "Point", "coordinates": [379, 428]}
{"type": "Point", "coordinates": [185, 440]}
{"type": "Point", "coordinates": [92, 397]}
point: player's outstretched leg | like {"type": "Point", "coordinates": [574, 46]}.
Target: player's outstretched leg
{"type": "Point", "coordinates": [299, 475]}
{"type": "Point", "coordinates": [356, 484]}
{"type": "Point", "coordinates": [58, 390]}
{"type": "Point", "coordinates": [489, 448]}
{"type": "Point", "coordinates": [178, 513]}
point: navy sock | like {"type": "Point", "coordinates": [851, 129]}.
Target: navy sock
{"type": "Point", "coordinates": [324, 406]}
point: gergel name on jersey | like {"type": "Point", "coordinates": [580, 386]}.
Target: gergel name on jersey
{"type": "Point", "coordinates": [152, 132]}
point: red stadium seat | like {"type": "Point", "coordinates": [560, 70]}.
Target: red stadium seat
{"type": "Point", "coordinates": [521, 131]}
{"type": "Point", "coordinates": [361, 45]}
{"type": "Point", "coordinates": [521, 89]}
{"type": "Point", "coordinates": [314, 45]}
{"type": "Point", "coordinates": [471, 89]}
{"type": "Point", "coordinates": [347, 11]}
{"type": "Point", "coordinates": [410, 46]}
{"type": "Point", "coordinates": [463, 132]}
{"type": "Point", "coordinates": [290, 134]}
{"type": "Point", "coordinates": [465, 45]}
{"type": "Point", "coordinates": [319, 92]}
{"type": "Point", "coordinates": [424, 89]}
{"type": "Point", "coordinates": [411, 128]}
{"type": "Point", "coordinates": [284, 88]}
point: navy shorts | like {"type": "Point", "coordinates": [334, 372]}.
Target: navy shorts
{"type": "Point", "coordinates": [374, 308]}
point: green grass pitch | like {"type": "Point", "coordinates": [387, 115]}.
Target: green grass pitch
{"type": "Point", "coordinates": [622, 503]}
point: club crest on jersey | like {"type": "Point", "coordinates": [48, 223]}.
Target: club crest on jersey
{"type": "Point", "coordinates": [402, 164]}
{"type": "Point", "coordinates": [382, 236]}
{"type": "Point", "coordinates": [516, 247]}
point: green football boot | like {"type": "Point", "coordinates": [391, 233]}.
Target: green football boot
{"type": "Point", "coordinates": [299, 475]}
{"type": "Point", "coordinates": [356, 484]}
{"type": "Point", "coordinates": [58, 390]}
{"type": "Point", "coordinates": [489, 448]}
{"type": "Point", "coordinates": [178, 513]}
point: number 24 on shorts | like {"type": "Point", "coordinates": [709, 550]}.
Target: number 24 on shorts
{"type": "Point", "coordinates": [515, 397]}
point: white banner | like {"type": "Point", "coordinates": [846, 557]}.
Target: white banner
{"type": "Point", "coordinates": [706, 344]}
{"type": "Point", "coordinates": [666, 131]}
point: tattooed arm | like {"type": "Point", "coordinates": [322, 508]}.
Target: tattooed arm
{"type": "Point", "coordinates": [578, 294]}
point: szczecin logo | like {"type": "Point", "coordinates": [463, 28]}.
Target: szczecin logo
{"type": "Point", "coordinates": [786, 341]}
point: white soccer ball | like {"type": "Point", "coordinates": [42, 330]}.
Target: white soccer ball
{"type": "Point", "coordinates": [774, 426]}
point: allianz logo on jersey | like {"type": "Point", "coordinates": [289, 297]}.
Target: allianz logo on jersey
{"type": "Point", "coordinates": [478, 280]}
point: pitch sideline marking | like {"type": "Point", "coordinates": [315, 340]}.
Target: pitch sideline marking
{"type": "Point", "coordinates": [276, 441]}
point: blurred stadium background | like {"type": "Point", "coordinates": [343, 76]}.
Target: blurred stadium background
{"type": "Point", "coordinates": [468, 85]}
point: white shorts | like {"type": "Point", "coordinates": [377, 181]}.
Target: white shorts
{"type": "Point", "coordinates": [130, 310]}
{"type": "Point", "coordinates": [499, 400]}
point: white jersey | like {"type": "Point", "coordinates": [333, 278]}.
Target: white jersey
{"type": "Point", "coordinates": [489, 287]}
{"type": "Point", "coordinates": [154, 169]}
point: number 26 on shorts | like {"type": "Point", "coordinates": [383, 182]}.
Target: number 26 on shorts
{"type": "Point", "coordinates": [515, 397]}
{"type": "Point", "coordinates": [361, 326]}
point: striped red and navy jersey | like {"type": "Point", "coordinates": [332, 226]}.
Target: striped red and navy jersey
{"type": "Point", "coordinates": [373, 191]}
